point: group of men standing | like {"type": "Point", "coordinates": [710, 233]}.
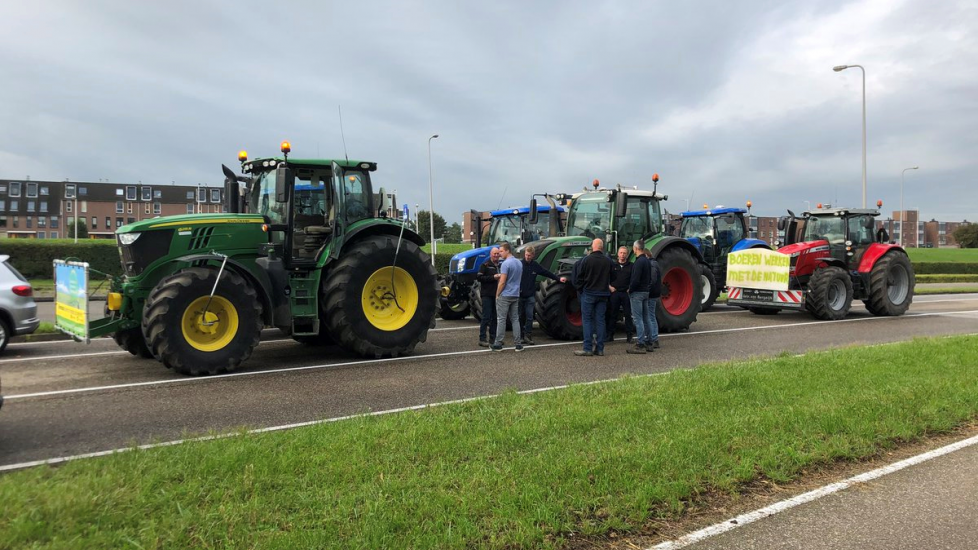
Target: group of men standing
{"type": "Point", "coordinates": [508, 290]}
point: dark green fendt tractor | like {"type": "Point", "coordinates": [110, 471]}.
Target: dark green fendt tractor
{"type": "Point", "coordinates": [306, 248]}
{"type": "Point", "coordinates": [619, 216]}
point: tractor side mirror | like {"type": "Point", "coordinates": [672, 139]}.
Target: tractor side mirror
{"type": "Point", "coordinates": [782, 222]}
{"type": "Point", "coordinates": [533, 210]}
{"type": "Point", "coordinates": [284, 180]}
{"type": "Point", "coordinates": [868, 223]}
{"type": "Point", "coordinates": [621, 204]}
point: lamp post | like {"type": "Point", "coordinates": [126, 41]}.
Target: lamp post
{"type": "Point", "coordinates": [901, 199]}
{"type": "Point", "coordinates": [431, 204]}
{"type": "Point", "coordinates": [808, 206]}
{"type": "Point", "coordinates": [842, 68]}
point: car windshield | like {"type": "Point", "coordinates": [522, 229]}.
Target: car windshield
{"type": "Point", "coordinates": [825, 228]}
{"type": "Point", "coordinates": [699, 227]}
{"type": "Point", "coordinates": [590, 216]}
{"type": "Point", "coordinates": [504, 229]}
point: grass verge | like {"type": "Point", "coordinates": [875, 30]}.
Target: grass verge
{"type": "Point", "coordinates": [513, 472]}
{"type": "Point", "coordinates": [966, 255]}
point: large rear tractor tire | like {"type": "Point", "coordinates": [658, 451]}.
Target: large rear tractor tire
{"type": "Point", "coordinates": [560, 311]}
{"type": "Point", "coordinates": [378, 311]}
{"type": "Point", "coordinates": [452, 308]}
{"type": "Point", "coordinates": [132, 341]}
{"type": "Point", "coordinates": [193, 333]}
{"type": "Point", "coordinates": [682, 290]}
{"type": "Point", "coordinates": [829, 294]}
{"type": "Point", "coordinates": [710, 288]}
{"type": "Point", "coordinates": [891, 284]}
{"type": "Point", "coordinates": [475, 300]}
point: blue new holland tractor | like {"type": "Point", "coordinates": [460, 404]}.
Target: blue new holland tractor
{"type": "Point", "coordinates": [716, 233]}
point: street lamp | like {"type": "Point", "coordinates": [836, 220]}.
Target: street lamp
{"type": "Point", "coordinates": [901, 199]}
{"type": "Point", "coordinates": [431, 204]}
{"type": "Point", "coordinates": [842, 68]}
{"type": "Point", "coordinates": [808, 206]}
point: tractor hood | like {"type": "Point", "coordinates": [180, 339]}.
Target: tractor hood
{"type": "Point", "coordinates": [189, 221]}
{"type": "Point", "coordinates": [797, 249]}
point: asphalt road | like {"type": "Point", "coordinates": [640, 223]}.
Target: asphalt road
{"type": "Point", "coordinates": [65, 398]}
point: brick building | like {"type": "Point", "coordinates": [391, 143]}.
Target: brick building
{"type": "Point", "coordinates": [45, 209]}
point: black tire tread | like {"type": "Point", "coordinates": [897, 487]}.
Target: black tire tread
{"type": "Point", "coordinates": [714, 289]}
{"type": "Point", "coordinates": [879, 301]}
{"type": "Point", "coordinates": [676, 256]}
{"type": "Point", "coordinates": [132, 340]}
{"type": "Point", "coordinates": [817, 300]}
{"type": "Point", "coordinates": [551, 302]}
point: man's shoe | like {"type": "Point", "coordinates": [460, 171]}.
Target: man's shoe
{"type": "Point", "coordinates": [529, 342]}
{"type": "Point", "coordinates": [628, 338]}
{"type": "Point", "coordinates": [599, 353]}
{"type": "Point", "coordinates": [483, 344]}
{"type": "Point", "coordinates": [519, 347]}
{"type": "Point", "coordinates": [655, 345]}
{"type": "Point", "coordinates": [494, 347]}
{"type": "Point", "coordinates": [582, 353]}
{"type": "Point", "coordinates": [638, 349]}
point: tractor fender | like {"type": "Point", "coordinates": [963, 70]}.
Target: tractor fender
{"type": "Point", "coordinates": [829, 261]}
{"type": "Point", "coordinates": [258, 278]}
{"type": "Point", "coordinates": [670, 241]}
{"type": "Point", "coordinates": [749, 243]}
{"type": "Point", "coordinates": [370, 229]}
{"type": "Point", "coordinates": [874, 253]}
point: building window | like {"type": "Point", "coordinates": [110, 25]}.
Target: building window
{"type": "Point", "coordinates": [3, 221]}
{"type": "Point", "coordinates": [14, 206]}
{"type": "Point", "coordinates": [157, 208]}
{"type": "Point", "coordinates": [190, 195]}
{"type": "Point", "coordinates": [215, 195]}
{"type": "Point", "coordinates": [54, 225]}
{"type": "Point", "coordinates": [157, 194]}
{"type": "Point", "coordinates": [30, 222]}
{"type": "Point", "coordinates": [147, 193]}
{"type": "Point", "coordinates": [84, 206]}
{"type": "Point", "coordinates": [128, 208]}
{"type": "Point", "coordinates": [42, 221]}
{"type": "Point", "coordinates": [130, 220]}
{"type": "Point", "coordinates": [54, 234]}
{"type": "Point", "coordinates": [40, 234]}
{"type": "Point", "coordinates": [83, 191]}
{"type": "Point", "coordinates": [118, 222]}
{"type": "Point", "coordinates": [44, 206]}
{"type": "Point", "coordinates": [118, 207]}
{"type": "Point", "coordinates": [68, 206]}
{"type": "Point", "coordinates": [31, 190]}
{"type": "Point", "coordinates": [3, 205]}
{"type": "Point", "coordinates": [131, 193]}
{"type": "Point", "coordinates": [190, 209]}
{"type": "Point", "coordinates": [14, 189]}
{"type": "Point", "coordinates": [201, 194]}
{"type": "Point", "coordinates": [146, 208]}
{"type": "Point", "coordinates": [94, 222]}
{"type": "Point", "coordinates": [3, 188]}
{"type": "Point", "coordinates": [70, 191]}
{"type": "Point", "coordinates": [108, 222]}
{"type": "Point", "coordinates": [31, 205]}
{"type": "Point", "coordinates": [16, 222]}
{"type": "Point", "coordinates": [119, 192]}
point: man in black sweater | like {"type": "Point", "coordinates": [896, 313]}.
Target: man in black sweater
{"type": "Point", "coordinates": [528, 289]}
{"type": "Point", "coordinates": [621, 276]}
{"type": "Point", "coordinates": [487, 291]}
{"type": "Point", "coordinates": [594, 277]}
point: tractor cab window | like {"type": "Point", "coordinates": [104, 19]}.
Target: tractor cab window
{"type": "Point", "coordinates": [263, 199]}
{"type": "Point", "coordinates": [730, 230]}
{"type": "Point", "coordinates": [504, 229]}
{"type": "Point", "coordinates": [539, 230]}
{"type": "Point", "coordinates": [696, 228]}
{"type": "Point", "coordinates": [357, 194]}
{"type": "Point", "coordinates": [827, 228]}
{"type": "Point", "coordinates": [634, 225]}
{"type": "Point", "coordinates": [590, 216]}
{"type": "Point", "coordinates": [859, 233]}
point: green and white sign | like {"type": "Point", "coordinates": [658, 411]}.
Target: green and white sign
{"type": "Point", "coordinates": [758, 268]}
{"type": "Point", "coordinates": [71, 299]}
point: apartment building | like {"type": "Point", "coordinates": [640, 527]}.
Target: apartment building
{"type": "Point", "coordinates": [45, 209]}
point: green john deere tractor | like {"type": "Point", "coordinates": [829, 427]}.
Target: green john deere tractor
{"type": "Point", "coordinates": [619, 216]}
{"type": "Point", "coordinates": [306, 248]}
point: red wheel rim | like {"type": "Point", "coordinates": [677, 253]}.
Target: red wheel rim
{"type": "Point", "coordinates": [677, 291]}
{"type": "Point", "coordinates": [573, 308]}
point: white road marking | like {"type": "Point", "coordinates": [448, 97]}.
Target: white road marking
{"type": "Point", "coordinates": [810, 496]}
{"type": "Point", "coordinates": [190, 380]}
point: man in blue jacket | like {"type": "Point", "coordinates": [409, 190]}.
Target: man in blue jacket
{"type": "Point", "coordinates": [638, 293]}
{"type": "Point", "coordinates": [528, 290]}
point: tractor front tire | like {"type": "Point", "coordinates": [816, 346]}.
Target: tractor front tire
{"type": "Point", "coordinates": [682, 290]}
{"type": "Point", "coordinates": [475, 300]}
{"type": "Point", "coordinates": [710, 288]}
{"type": "Point", "coordinates": [891, 283]}
{"type": "Point", "coordinates": [560, 311]}
{"type": "Point", "coordinates": [829, 294]}
{"type": "Point", "coordinates": [132, 341]}
{"type": "Point", "coordinates": [448, 310]}
{"type": "Point", "coordinates": [195, 334]}
{"type": "Point", "coordinates": [375, 310]}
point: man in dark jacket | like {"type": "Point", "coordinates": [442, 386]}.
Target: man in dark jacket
{"type": "Point", "coordinates": [528, 290]}
{"type": "Point", "coordinates": [487, 291]}
{"type": "Point", "coordinates": [655, 292]}
{"type": "Point", "coordinates": [621, 276]}
{"type": "Point", "coordinates": [595, 277]}
{"type": "Point", "coordinates": [638, 293]}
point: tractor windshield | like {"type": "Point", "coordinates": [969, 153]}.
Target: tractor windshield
{"type": "Point", "coordinates": [590, 216]}
{"type": "Point", "coordinates": [263, 199]}
{"type": "Point", "coordinates": [539, 230]}
{"type": "Point", "coordinates": [827, 228]}
{"type": "Point", "coordinates": [504, 229]}
{"type": "Point", "coordinates": [700, 227]}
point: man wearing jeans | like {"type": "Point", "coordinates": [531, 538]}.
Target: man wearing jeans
{"type": "Point", "coordinates": [487, 291]}
{"type": "Point", "coordinates": [638, 294]}
{"type": "Point", "coordinates": [528, 289]}
{"type": "Point", "coordinates": [595, 278]}
{"type": "Point", "coordinates": [508, 297]}
{"type": "Point", "coordinates": [655, 291]}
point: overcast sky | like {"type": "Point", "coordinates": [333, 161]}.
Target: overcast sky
{"type": "Point", "coordinates": [727, 101]}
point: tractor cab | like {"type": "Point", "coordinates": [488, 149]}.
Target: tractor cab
{"type": "Point", "coordinates": [843, 234]}
{"type": "Point", "coordinates": [714, 232]}
{"type": "Point", "coordinates": [617, 216]}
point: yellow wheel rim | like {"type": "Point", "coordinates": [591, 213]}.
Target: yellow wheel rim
{"type": "Point", "coordinates": [213, 330]}
{"type": "Point", "coordinates": [378, 302]}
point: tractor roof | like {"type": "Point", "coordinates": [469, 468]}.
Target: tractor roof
{"type": "Point", "coordinates": [523, 210]}
{"type": "Point", "coordinates": [713, 212]}
{"type": "Point", "coordinates": [270, 162]}
{"type": "Point", "coordinates": [842, 211]}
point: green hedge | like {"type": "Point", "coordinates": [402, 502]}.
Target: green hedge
{"type": "Point", "coordinates": [944, 278]}
{"type": "Point", "coordinates": [33, 257]}
{"type": "Point", "coordinates": [944, 268]}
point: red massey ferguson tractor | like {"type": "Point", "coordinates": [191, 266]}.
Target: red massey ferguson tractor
{"type": "Point", "coordinates": [837, 255]}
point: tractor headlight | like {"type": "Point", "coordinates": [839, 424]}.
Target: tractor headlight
{"type": "Point", "coordinates": [460, 266]}
{"type": "Point", "coordinates": [128, 238]}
